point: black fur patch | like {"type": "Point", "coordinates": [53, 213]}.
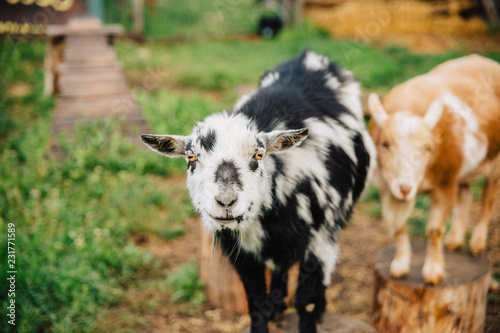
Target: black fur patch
{"type": "Point", "coordinates": [208, 141]}
{"type": "Point", "coordinates": [253, 165]}
{"type": "Point", "coordinates": [192, 166]}
{"type": "Point", "coordinates": [260, 144]}
{"type": "Point", "coordinates": [228, 174]}
{"type": "Point", "coordinates": [189, 145]}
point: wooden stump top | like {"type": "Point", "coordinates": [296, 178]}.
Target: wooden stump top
{"type": "Point", "coordinates": [460, 267]}
{"type": "Point", "coordinates": [332, 323]}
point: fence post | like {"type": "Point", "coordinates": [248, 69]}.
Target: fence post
{"type": "Point", "coordinates": [138, 7]}
{"type": "Point", "coordinates": [298, 13]}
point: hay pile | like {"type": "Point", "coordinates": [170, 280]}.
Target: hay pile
{"type": "Point", "coordinates": [372, 18]}
{"type": "Point", "coordinates": [421, 26]}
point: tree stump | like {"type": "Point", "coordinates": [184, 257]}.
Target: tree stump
{"type": "Point", "coordinates": [223, 286]}
{"type": "Point", "coordinates": [457, 304]}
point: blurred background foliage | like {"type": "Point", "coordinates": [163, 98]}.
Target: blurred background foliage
{"type": "Point", "coordinates": [185, 19]}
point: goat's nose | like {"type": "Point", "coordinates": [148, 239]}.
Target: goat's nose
{"type": "Point", "coordinates": [226, 201]}
{"type": "Point", "coordinates": [404, 189]}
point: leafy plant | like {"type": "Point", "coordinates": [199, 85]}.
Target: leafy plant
{"type": "Point", "coordinates": [185, 284]}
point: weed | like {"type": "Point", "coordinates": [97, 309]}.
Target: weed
{"type": "Point", "coordinates": [423, 202]}
{"type": "Point", "coordinates": [416, 226]}
{"type": "Point", "coordinates": [371, 194]}
{"type": "Point", "coordinates": [185, 284]}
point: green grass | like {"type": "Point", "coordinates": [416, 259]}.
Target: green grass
{"type": "Point", "coordinates": [210, 65]}
{"type": "Point", "coordinates": [75, 217]}
{"type": "Point", "coordinates": [185, 284]}
{"type": "Point", "coordinates": [193, 18]}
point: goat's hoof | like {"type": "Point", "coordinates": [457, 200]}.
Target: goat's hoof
{"type": "Point", "coordinates": [399, 268]}
{"type": "Point", "coordinates": [277, 314]}
{"type": "Point", "coordinates": [321, 316]}
{"type": "Point", "coordinates": [454, 243]}
{"type": "Point", "coordinates": [476, 250]}
{"type": "Point", "coordinates": [433, 273]}
{"type": "Point", "coordinates": [477, 244]}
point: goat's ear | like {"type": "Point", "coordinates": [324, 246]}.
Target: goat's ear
{"type": "Point", "coordinates": [376, 109]}
{"type": "Point", "coordinates": [168, 145]}
{"type": "Point", "coordinates": [282, 140]}
{"type": "Point", "coordinates": [434, 113]}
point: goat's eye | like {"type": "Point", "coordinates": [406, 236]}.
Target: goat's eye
{"type": "Point", "coordinates": [385, 144]}
{"type": "Point", "coordinates": [258, 156]}
{"type": "Point", "coordinates": [191, 157]}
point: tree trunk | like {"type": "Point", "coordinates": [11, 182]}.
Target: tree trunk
{"type": "Point", "coordinates": [457, 304]}
{"type": "Point", "coordinates": [138, 6]}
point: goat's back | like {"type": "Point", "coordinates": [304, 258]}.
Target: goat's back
{"type": "Point", "coordinates": [473, 79]}
{"type": "Point", "coordinates": [332, 165]}
{"type": "Point", "coordinates": [304, 87]}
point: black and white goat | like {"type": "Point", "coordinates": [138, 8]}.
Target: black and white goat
{"type": "Point", "coordinates": [275, 179]}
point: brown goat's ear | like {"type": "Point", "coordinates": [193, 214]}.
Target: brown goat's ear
{"type": "Point", "coordinates": [376, 110]}
{"type": "Point", "coordinates": [434, 113]}
{"type": "Point", "coordinates": [168, 145]}
{"type": "Point", "coordinates": [282, 140]}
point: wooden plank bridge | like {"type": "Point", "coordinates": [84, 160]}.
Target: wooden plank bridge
{"type": "Point", "coordinates": [82, 70]}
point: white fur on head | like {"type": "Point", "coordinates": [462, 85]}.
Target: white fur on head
{"type": "Point", "coordinates": [376, 109]}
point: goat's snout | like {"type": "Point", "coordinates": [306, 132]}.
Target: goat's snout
{"type": "Point", "coordinates": [226, 200]}
{"type": "Point", "coordinates": [405, 190]}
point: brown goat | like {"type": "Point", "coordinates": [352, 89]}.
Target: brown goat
{"type": "Point", "coordinates": [436, 133]}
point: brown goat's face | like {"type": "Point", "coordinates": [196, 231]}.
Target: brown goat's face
{"type": "Point", "coordinates": [405, 147]}
{"type": "Point", "coordinates": [404, 152]}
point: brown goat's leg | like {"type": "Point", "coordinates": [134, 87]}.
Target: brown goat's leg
{"type": "Point", "coordinates": [442, 202]}
{"type": "Point", "coordinates": [395, 214]}
{"type": "Point", "coordinates": [455, 238]}
{"type": "Point", "coordinates": [477, 242]}
{"type": "Point", "coordinates": [400, 265]}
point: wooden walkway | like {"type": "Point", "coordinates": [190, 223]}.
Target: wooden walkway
{"type": "Point", "coordinates": [81, 69]}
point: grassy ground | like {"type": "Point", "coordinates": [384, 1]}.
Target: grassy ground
{"type": "Point", "coordinates": [80, 220]}
{"type": "Point", "coordinates": [187, 19]}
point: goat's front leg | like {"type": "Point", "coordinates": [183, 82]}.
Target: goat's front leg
{"type": "Point", "coordinates": [442, 202]}
{"type": "Point", "coordinates": [252, 274]}
{"type": "Point", "coordinates": [395, 214]}
{"type": "Point", "coordinates": [310, 296]}
{"type": "Point", "coordinates": [278, 292]}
